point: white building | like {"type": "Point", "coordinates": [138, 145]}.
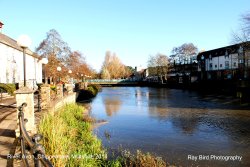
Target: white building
{"type": "Point", "coordinates": [11, 64]}
{"type": "Point", "coordinates": [225, 63]}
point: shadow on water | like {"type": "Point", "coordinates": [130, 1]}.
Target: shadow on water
{"type": "Point", "coordinates": [189, 110]}
{"type": "Point", "coordinates": [178, 98]}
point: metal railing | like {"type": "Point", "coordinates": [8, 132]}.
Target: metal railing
{"type": "Point", "coordinates": [36, 149]}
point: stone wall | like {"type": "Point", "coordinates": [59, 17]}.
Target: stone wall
{"type": "Point", "coordinates": [59, 91]}
{"type": "Point", "coordinates": [45, 97]}
{"type": "Point", "coordinates": [26, 95]}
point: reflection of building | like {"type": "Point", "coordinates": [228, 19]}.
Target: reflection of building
{"type": "Point", "coordinates": [230, 62]}
{"type": "Point", "coordinates": [11, 63]}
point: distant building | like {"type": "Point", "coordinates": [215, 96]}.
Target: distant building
{"type": "Point", "coordinates": [11, 63]}
{"type": "Point", "coordinates": [230, 62]}
{"type": "Point", "coordinates": [139, 74]}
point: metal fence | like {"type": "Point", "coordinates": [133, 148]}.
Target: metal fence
{"type": "Point", "coordinates": [31, 144]}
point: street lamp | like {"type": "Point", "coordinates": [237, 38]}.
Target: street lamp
{"type": "Point", "coordinates": [59, 69]}
{"type": "Point", "coordinates": [44, 61]}
{"type": "Point", "coordinates": [202, 67]}
{"type": "Point", "coordinates": [24, 42]}
{"type": "Point", "coordinates": [70, 72]}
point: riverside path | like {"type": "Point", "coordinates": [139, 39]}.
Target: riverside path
{"type": "Point", "coordinates": [8, 124]}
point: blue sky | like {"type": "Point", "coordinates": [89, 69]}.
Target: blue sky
{"type": "Point", "coordinates": [133, 29]}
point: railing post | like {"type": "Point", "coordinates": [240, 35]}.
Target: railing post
{"type": "Point", "coordinates": [26, 95]}
{"type": "Point", "coordinates": [36, 149]}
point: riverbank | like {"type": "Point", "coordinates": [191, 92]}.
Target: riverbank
{"type": "Point", "coordinates": [69, 141]}
{"type": "Point", "coordinates": [90, 92]}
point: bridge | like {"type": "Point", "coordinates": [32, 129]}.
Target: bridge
{"type": "Point", "coordinates": [118, 82]}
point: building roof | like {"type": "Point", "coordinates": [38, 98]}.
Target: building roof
{"type": "Point", "coordinates": [231, 49]}
{"type": "Point", "coordinates": [4, 39]}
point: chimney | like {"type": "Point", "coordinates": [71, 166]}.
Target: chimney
{"type": "Point", "coordinates": [1, 25]}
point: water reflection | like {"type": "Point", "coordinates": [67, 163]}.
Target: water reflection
{"type": "Point", "coordinates": [174, 123]}
{"type": "Point", "coordinates": [187, 120]}
{"type": "Point", "coordinates": [112, 105]}
{"type": "Point", "coordinates": [158, 112]}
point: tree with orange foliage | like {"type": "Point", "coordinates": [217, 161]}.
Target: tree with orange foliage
{"type": "Point", "coordinates": [59, 54]}
{"type": "Point", "coordinates": [113, 68]}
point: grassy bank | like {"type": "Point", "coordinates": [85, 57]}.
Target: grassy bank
{"type": "Point", "coordinates": [69, 141]}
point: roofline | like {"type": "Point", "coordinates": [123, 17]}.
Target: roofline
{"type": "Point", "coordinates": [225, 47]}
{"type": "Point", "coordinates": [222, 48]}
{"type": "Point", "coordinates": [31, 53]}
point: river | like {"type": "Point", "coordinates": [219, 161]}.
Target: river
{"type": "Point", "coordinates": [174, 124]}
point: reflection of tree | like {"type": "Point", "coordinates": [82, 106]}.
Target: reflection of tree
{"type": "Point", "coordinates": [159, 113]}
{"type": "Point", "coordinates": [185, 119]}
{"type": "Point", "coordinates": [112, 105]}
{"type": "Point", "coordinates": [157, 106]}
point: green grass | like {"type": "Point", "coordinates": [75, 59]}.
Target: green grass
{"type": "Point", "coordinates": [66, 133]}
{"type": "Point", "coordinates": [9, 88]}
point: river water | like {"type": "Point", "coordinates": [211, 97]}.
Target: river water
{"type": "Point", "coordinates": [174, 124]}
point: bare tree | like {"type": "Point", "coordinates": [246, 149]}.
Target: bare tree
{"type": "Point", "coordinates": [54, 44]}
{"type": "Point", "coordinates": [246, 21]}
{"type": "Point", "coordinates": [57, 52]}
{"type": "Point", "coordinates": [158, 65]}
{"type": "Point", "coordinates": [242, 38]}
{"type": "Point", "coordinates": [184, 54]}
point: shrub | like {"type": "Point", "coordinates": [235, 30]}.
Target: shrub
{"type": "Point", "coordinates": [53, 87]}
{"type": "Point", "coordinates": [140, 160]}
{"type": "Point", "coordinates": [94, 89]}
{"type": "Point", "coordinates": [9, 88]}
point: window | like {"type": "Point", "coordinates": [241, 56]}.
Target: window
{"type": "Point", "coordinates": [220, 65]}
{"type": "Point", "coordinates": [226, 64]}
{"type": "Point", "coordinates": [234, 64]}
{"type": "Point", "coordinates": [215, 66]}
{"type": "Point", "coordinates": [211, 66]}
{"type": "Point", "coordinates": [248, 62]}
